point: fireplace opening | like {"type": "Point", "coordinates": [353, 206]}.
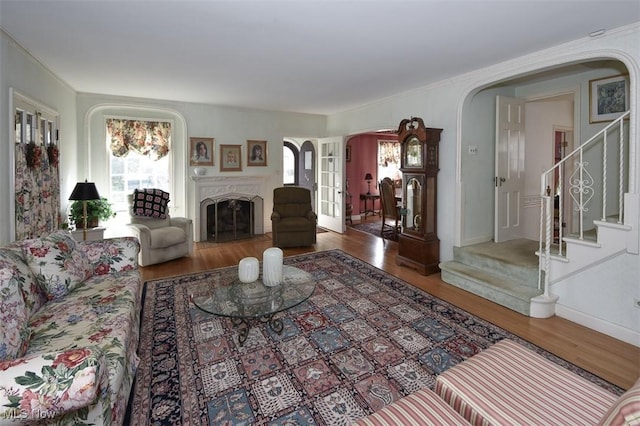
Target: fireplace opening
{"type": "Point", "coordinates": [229, 220]}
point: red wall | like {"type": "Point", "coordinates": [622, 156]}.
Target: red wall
{"type": "Point", "coordinates": [364, 153]}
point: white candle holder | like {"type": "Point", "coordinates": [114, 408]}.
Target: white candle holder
{"type": "Point", "coordinates": [272, 266]}
{"type": "Point", "coordinates": [248, 269]}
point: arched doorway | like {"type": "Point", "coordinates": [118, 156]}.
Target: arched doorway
{"type": "Point", "coordinates": [555, 97]}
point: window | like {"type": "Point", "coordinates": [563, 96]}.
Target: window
{"type": "Point", "coordinates": [290, 155]}
{"type": "Point", "coordinates": [141, 163]}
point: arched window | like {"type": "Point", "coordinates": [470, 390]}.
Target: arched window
{"type": "Point", "coordinates": [290, 155]}
{"type": "Point", "coordinates": [139, 158]}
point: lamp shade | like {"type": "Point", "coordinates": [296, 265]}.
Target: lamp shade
{"type": "Point", "coordinates": [85, 191]}
{"type": "Point", "coordinates": [368, 176]}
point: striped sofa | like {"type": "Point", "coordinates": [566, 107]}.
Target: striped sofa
{"type": "Point", "coordinates": [509, 384]}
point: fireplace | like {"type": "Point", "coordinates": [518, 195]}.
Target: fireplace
{"type": "Point", "coordinates": [230, 219]}
{"type": "Point", "coordinates": [229, 207]}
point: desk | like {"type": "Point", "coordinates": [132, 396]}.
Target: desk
{"type": "Point", "coordinates": [366, 198]}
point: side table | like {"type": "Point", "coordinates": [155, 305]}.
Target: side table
{"type": "Point", "coordinates": [93, 234]}
{"type": "Point", "coordinates": [366, 198]}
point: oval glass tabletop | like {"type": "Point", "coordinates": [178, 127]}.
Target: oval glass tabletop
{"type": "Point", "coordinates": [254, 300]}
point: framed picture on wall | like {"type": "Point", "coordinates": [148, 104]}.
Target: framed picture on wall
{"type": "Point", "coordinates": [608, 98]}
{"type": "Point", "coordinates": [201, 150]}
{"type": "Point", "coordinates": [256, 153]}
{"type": "Point", "coordinates": [230, 158]}
{"type": "Point", "coordinates": [348, 154]}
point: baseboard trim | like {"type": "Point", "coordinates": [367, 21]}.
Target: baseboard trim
{"type": "Point", "coordinates": [610, 329]}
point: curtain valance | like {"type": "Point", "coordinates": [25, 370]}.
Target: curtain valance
{"type": "Point", "coordinates": [388, 152]}
{"type": "Point", "coordinates": [150, 138]}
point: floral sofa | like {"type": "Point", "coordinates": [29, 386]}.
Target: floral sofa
{"type": "Point", "coordinates": [69, 328]}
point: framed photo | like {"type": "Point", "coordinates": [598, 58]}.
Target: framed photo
{"type": "Point", "coordinates": [608, 98]}
{"type": "Point", "coordinates": [348, 154]}
{"type": "Point", "coordinates": [201, 151]}
{"type": "Point", "coordinates": [230, 158]}
{"type": "Point", "coordinates": [256, 153]}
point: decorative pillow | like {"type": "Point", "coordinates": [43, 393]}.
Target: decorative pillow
{"type": "Point", "coordinates": [14, 317]}
{"type": "Point", "coordinates": [150, 203]}
{"type": "Point", "coordinates": [33, 295]}
{"type": "Point", "coordinates": [57, 264]}
{"type": "Point", "coordinates": [626, 410]}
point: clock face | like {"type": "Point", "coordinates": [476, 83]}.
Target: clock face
{"type": "Point", "coordinates": [413, 153]}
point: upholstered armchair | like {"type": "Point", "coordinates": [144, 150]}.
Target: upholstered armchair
{"type": "Point", "coordinates": [161, 236]}
{"type": "Point", "coordinates": [293, 220]}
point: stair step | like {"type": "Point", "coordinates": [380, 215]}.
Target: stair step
{"type": "Point", "coordinates": [501, 289]}
{"type": "Point", "coordinates": [514, 259]}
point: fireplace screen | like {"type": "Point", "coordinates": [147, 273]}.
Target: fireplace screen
{"type": "Point", "coordinates": [230, 219]}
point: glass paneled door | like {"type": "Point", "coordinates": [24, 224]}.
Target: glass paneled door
{"type": "Point", "coordinates": [331, 206]}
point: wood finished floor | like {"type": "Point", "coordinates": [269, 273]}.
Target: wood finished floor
{"type": "Point", "coordinates": [609, 358]}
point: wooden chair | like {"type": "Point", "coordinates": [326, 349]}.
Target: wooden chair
{"type": "Point", "coordinates": [390, 210]}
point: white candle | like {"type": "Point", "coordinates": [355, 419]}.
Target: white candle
{"type": "Point", "coordinates": [272, 266]}
{"type": "Point", "coordinates": [248, 269]}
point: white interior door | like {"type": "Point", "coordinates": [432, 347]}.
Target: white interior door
{"type": "Point", "coordinates": [509, 167]}
{"type": "Point", "coordinates": [330, 184]}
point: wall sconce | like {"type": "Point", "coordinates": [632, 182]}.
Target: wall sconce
{"type": "Point", "coordinates": [84, 191]}
{"type": "Point", "coordinates": [368, 178]}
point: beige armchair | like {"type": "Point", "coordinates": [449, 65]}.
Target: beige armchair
{"type": "Point", "coordinates": [161, 238]}
{"type": "Point", "coordinates": [293, 220]}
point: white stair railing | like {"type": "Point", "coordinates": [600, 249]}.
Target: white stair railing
{"type": "Point", "coordinates": [581, 190]}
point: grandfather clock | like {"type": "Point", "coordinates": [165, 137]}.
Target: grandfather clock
{"type": "Point", "coordinates": [418, 243]}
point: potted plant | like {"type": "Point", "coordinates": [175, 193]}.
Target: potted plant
{"type": "Point", "coordinates": [97, 210]}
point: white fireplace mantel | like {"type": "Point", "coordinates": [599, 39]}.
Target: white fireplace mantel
{"type": "Point", "coordinates": [213, 187]}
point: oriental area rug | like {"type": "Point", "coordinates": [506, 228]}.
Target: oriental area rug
{"type": "Point", "coordinates": [362, 340]}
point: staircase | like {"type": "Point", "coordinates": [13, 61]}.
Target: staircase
{"type": "Point", "coordinates": [519, 274]}
{"type": "Point", "coordinates": [505, 273]}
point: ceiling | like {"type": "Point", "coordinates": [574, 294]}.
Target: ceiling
{"type": "Point", "coordinates": [313, 56]}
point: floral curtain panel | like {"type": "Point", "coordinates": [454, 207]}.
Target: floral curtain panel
{"type": "Point", "coordinates": [150, 138]}
{"type": "Point", "coordinates": [388, 152]}
{"type": "Point", "coordinates": [37, 190]}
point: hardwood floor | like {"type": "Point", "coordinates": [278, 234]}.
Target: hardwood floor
{"type": "Point", "coordinates": [611, 359]}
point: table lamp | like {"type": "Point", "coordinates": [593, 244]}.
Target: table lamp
{"type": "Point", "coordinates": [368, 178]}
{"type": "Point", "coordinates": [84, 191]}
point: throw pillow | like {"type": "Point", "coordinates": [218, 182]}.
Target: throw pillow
{"type": "Point", "coordinates": [57, 264]}
{"type": "Point", "coordinates": [150, 203]}
{"type": "Point", "coordinates": [14, 317]}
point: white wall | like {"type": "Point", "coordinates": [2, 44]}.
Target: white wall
{"type": "Point", "coordinates": [602, 298]}
{"type": "Point", "coordinates": [22, 73]}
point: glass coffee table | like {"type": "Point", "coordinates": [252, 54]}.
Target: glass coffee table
{"type": "Point", "coordinates": [248, 303]}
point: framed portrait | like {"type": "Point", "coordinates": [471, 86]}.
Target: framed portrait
{"type": "Point", "coordinates": [348, 154]}
{"type": "Point", "coordinates": [256, 153]}
{"type": "Point", "coordinates": [201, 151]}
{"type": "Point", "coordinates": [230, 158]}
{"type": "Point", "coordinates": [608, 98]}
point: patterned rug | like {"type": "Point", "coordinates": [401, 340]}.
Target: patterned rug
{"type": "Point", "coordinates": [363, 340]}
